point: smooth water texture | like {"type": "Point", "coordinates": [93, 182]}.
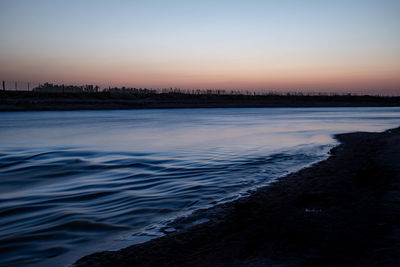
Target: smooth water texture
{"type": "Point", "coordinates": [75, 182]}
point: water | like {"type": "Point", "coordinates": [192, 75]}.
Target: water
{"type": "Point", "coordinates": [75, 182]}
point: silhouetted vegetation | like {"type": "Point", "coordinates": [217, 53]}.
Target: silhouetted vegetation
{"type": "Point", "coordinates": [130, 90]}
{"type": "Point", "coordinates": [54, 88]}
{"type": "Point", "coordinates": [70, 97]}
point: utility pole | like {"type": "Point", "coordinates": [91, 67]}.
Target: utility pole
{"type": "Point", "coordinates": [16, 86]}
{"type": "Point", "coordinates": [4, 85]}
{"type": "Point", "coordinates": [28, 86]}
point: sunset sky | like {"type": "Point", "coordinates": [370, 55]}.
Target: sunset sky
{"type": "Point", "coordinates": [320, 46]}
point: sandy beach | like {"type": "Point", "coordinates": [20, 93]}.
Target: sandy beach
{"type": "Point", "coordinates": [341, 211]}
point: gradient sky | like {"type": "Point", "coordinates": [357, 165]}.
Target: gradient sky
{"type": "Point", "coordinates": [343, 46]}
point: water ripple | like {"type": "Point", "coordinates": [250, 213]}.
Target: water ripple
{"type": "Point", "coordinates": [72, 183]}
{"type": "Point", "coordinates": [70, 195]}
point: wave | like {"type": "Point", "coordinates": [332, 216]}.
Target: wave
{"type": "Point", "coordinates": [53, 200]}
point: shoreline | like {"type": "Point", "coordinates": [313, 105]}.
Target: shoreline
{"type": "Point", "coordinates": [340, 211]}
{"type": "Point", "coordinates": [31, 101]}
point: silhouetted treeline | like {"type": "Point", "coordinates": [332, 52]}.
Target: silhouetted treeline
{"type": "Point", "coordinates": [55, 88]}
{"type": "Point", "coordinates": [87, 98]}
{"type": "Point", "coordinates": [130, 90]}
{"type": "Point", "coordinates": [71, 97]}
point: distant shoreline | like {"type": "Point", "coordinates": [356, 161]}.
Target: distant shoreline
{"type": "Point", "coordinates": [340, 211]}
{"type": "Point", "coordinates": [30, 101]}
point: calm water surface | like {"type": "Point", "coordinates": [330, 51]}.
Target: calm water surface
{"type": "Point", "coordinates": [75, 182]}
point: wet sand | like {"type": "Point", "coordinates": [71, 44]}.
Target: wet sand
{"type": "Point", "coordinates": [342, 211]}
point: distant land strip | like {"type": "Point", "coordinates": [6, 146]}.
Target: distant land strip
{"type": "Point", "coordinates": [129, 99]}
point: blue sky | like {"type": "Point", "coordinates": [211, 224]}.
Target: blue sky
{"type": "Point", "coordinates": [283, 45]}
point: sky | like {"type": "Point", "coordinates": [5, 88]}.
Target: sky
{"type": "Point", "coordinates": [350, 46]}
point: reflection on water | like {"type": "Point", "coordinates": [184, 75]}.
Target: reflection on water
{"type": "Point", "coordinates": [80, 181]}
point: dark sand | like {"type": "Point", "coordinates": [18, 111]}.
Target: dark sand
{"type": "Point", "coordinates": [342, 211]}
